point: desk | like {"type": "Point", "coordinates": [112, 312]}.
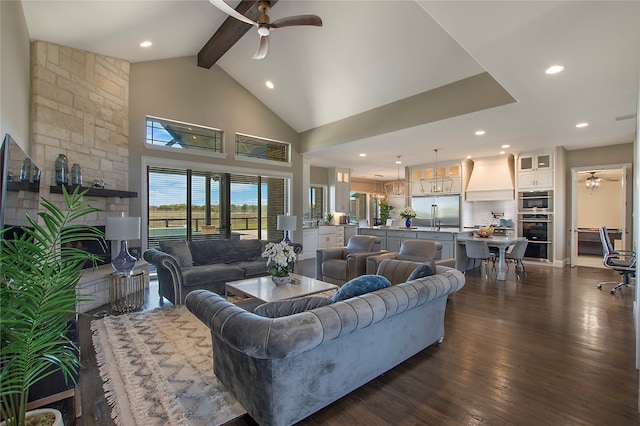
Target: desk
{"type": "Point", "coordinates": [501, 243]}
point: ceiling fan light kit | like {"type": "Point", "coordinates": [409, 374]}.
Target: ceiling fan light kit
{"type": "Point", "coordinates": [592, 182]}
{"type": "Point", "coordinates": [264, 24]}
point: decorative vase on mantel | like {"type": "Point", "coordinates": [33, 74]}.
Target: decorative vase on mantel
{"type": "Point", "coordinates": [278, 281]}
{"type": "Point", "coordinates": [407, 222]}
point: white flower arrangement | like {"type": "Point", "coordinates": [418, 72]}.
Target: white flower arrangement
{"type": "Point", "coordinates": [279, 257]}
{"type": "Point", "coordinates": [407, 213]}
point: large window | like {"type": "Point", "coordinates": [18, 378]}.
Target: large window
{"type": "Point", "coordinates": [263, 149]}
{"type": "Point", "coordinates": [187, 204]}
{"type": "Point", "coordinates": [176, 135]}
{"type": "Point", "coordinates": [316, 202]}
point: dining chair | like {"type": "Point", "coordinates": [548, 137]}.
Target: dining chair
{"type": "Point", "coordinates": [479, 250]}
{"type": "Point", "coordinates": [516, 254]}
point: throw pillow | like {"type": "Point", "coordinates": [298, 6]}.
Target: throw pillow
{"type": "Point", "coordinates": [360, 285]}
{"type": "Point", "coordinates": [425, 270]}
{"type": "Point", "coordinates": [283, 308]}
{"type": "Point", "coordinates": [179, 250]}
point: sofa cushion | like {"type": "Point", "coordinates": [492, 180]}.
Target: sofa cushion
{"type": "Point", "coordinates": [207, 252]}
{"type": "Point", "coordinates": [252, 268]}
{"type": "Point", "coordinates": [425, 270]}
{"type": "Point", "coordinates": [179, 250]}
{"type": "Point", "coordinates": [207, 274]}
{"type": "Point", "coordinates": [283, 308]}
{"type": "Point", "coordinates": [412, 258]}
{"type": "Point", "coordinates": [361, 285]}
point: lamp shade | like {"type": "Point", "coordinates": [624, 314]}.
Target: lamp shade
{"type": "Point", "coordinates": [287, 223]}
{"type": "Point", "coordinates": [122, 228]}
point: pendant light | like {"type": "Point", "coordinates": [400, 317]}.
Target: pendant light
{"type": "Point", "coordinates": [397, 187]}
{"type": "Point", "coordinates": [437, 184]}
{"type": "Point", "coordinates": [592, 182]}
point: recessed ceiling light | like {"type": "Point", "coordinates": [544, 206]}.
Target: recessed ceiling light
{"type": "Point", "coordinates": [363, 155]}
{"type": "Point", "coordinates": [501, 152]}
{"type": "Point", "coordinates": [146, 44]}
{"type": "Point", "coordinates": [554, 69]}
{"type": "Point", "coordinates": [480, 132]}
{"type": "Point", "coordinates": [269, 84]}
{"type": "Point", "coordinates": [505, 146]}
{"type": "Point", "coordinates": [468, 156]}
{"type": "Point", "coordinates": [580, 125]}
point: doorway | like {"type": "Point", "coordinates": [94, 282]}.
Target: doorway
{"type": "Point", "coordinates": [598, 198]}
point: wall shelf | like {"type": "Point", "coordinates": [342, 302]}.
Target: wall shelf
{"type": "Point", "coordinates": [94, 192]}
{"type": "Point", "coordinates": [23, 186]}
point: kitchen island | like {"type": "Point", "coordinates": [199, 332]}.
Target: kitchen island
{"type": "Point", "coordinates": [392, 237]}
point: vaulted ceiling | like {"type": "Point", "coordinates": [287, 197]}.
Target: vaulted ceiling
{"type": "Point", "coordinates": [403, 77]}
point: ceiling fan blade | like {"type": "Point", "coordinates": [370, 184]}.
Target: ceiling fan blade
{"type": "Point", "coordinates": [261, 53]}
{"type": "Point", "coordinates": [297, 20]}
{"type": "Point", "coordinates": [223, 6]}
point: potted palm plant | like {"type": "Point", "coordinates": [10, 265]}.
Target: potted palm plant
{"type": "Point", "coordinates": [39, 271]}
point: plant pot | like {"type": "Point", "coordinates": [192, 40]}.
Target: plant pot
{"type": "Point", "coordinates": [57, 416]}
{"type": "Point", "coordinates": [281, 280]}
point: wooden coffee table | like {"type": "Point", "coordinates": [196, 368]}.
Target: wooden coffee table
{"type": "Point", "coordinates": [263, 288]}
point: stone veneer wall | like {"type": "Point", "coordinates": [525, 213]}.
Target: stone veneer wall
{"type": "Point", "coordinates": [80, 107]}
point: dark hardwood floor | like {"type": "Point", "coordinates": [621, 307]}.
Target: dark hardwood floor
{"type": "Point", "coordinates": [549, 349]}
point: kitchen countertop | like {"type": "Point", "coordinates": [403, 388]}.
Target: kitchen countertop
{"type": "Point", "coordinates": [419, 229]}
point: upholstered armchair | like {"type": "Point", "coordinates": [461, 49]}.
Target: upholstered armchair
{"type": "Point", "coordinates": [339, 265]}
{"type": "Point", "coordinates": [414, 251]}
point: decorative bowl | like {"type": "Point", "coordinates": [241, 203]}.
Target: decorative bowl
{"type": "Point", "coordinates": [485, 232]}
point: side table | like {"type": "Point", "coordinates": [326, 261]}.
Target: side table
{"type": "Point", "coordinates": [126, 293]}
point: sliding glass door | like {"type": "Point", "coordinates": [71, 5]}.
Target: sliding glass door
{"type": "Point", "coordinates": [187, 204]}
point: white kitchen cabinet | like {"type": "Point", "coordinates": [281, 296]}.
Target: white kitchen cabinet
{"type": "Point", "coordinates": [340, 236]}
{"type": "Point", "coordinates": [309, 243]}
{"type": "Point", "coordinates": [429, 179]}
{"type": "Point", "coordinates": [535, 171]}
{"type": "Point", "coordinates": [340, 189]}
{"type": "Point", "coordinates": [327, 237]}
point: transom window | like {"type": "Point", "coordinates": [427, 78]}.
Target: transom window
{"type": "Point", "coordinates": [260, 148]}
{"type": "Point", "coordinates": [174, 134]}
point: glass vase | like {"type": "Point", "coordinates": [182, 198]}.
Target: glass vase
{"type": "Point", "coordinates": [407, 222]}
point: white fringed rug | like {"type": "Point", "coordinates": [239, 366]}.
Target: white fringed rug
{"type": "Point", "coordinates": [157, 369]}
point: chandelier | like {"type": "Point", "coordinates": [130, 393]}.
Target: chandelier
{"type": "Point", "coordinates": [437, 184]}
{"type": "Point", "coordinates": [396, 187]}
{"type": "Point", "coordinates": [592, 182]}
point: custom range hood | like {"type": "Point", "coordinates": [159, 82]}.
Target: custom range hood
{"type": "Point", "coordinates": [492, 179]}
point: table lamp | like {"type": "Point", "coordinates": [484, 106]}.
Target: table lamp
{"type": "Point", "coordinates": [123, 229]}
{"type": "Point", "coordinates": [286, 224]}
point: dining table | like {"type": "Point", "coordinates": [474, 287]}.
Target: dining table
{"type": "Point", "coordinates": [502, 243]}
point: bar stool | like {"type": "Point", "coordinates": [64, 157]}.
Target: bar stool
{"type": "Point", "coordinates": [479, 250]}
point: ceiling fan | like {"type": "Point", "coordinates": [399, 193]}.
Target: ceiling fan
{"type": "Point", "coordinates": [264, 24]}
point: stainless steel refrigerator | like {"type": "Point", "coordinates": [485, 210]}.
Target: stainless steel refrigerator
{"type": "Point", "coordinates": [442, 211]}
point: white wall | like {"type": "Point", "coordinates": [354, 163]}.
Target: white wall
{"type": "Point", "coordinates": [15, 75]}
{"type": "Point", "coordinates": [600, 207]}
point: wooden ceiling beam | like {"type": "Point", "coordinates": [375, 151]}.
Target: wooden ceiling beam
{"type": "Point", "coordinates": [229, 33]}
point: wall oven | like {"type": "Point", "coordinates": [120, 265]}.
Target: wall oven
{"type": "Point", "coordinates": [535, 201]}
{"type": "Point", "coordinates": [538, 229]}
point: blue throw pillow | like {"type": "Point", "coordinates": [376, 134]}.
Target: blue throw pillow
{"type": "Point", "coordinates": [360, 285]}
{"type": "Point", "coordinates": [425, 270]}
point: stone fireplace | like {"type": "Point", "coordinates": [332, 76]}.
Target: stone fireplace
{"type": "Point", "coordinates": [80, 108]}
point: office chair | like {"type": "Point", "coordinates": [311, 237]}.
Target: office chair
{"type": "Point", "coordinates": [516, 254]}
{"type": "Point", "coordinates": [479, 250]}
{"type": "Point", "coordinates": [621, 261]}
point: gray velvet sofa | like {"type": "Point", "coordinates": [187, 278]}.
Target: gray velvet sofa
{"type": "Point", "coordinates": [284, 369]}
{"type": "Point", "coordinates": [206, 264]}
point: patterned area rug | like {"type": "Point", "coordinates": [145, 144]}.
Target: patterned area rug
{"type": "Point", "coordinates": [157, 370]}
